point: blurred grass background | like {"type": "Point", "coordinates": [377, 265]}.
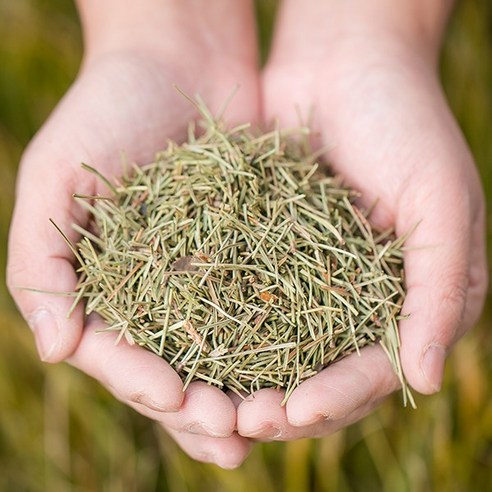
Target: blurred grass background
{"type": "Point", "coordinates": [59, 431]}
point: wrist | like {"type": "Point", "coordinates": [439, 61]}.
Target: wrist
{"type": "Point", "coordinates": [320, 28]}
{"type": "Point", "coordinates": [417, 23]}
{"type": "Point", "coordinates": [186, 27]}
{"type": "Point", "coordinates": [108, 27]}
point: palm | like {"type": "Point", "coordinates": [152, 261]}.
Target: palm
{"type": "Point", "coordinates": [392, 137]}
{"type": "Point", "coordinates": [124, 103]}
{"type": "Point", "coordinates": [128, 103]}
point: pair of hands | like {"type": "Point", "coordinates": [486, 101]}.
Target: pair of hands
{"type": "Point", "coordinates": [378, 105]}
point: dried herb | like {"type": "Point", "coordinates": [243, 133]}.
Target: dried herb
{"type": "Point", "coordinates": [242, 263]}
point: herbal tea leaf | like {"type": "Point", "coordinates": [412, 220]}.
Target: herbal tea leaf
{"type": "Point", "coordinates": [235, 258]}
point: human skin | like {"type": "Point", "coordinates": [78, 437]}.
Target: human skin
{"type": "Point", "coordinates": [123, 100]}
{"type": "Point", "coordinates": [368, 70]}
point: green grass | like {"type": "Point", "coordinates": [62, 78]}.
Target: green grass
{"type": "Point", "coordinates": [60, 431]}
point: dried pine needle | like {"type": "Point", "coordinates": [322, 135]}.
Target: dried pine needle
{"type": "Point", "coordinates": [237, 260]}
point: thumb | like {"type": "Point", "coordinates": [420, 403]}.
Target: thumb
{"type": "Point", "coordinates": [39, 262]}
{"type": "Point", "coordinates": [446, 278]}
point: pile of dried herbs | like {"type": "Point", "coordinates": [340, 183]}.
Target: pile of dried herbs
{"type": "Point", "coordinates": [237, 260]}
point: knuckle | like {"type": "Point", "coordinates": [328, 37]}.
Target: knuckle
{"type": "Point", "coordinates": [478, 286]}
{"type": "Point", "coordinates": [453, 298]}
{"type": "Point", "coordinates": [454, 294]}
{"type": "Point", "coordinates": [476, 296]}
{"type": "Point", "coordinates": [16, 271]}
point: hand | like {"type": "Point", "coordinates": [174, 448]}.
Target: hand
{"type": "Point", "coordinates": [124, 101]}
{"type": "Point", "coordinates": [378, 105]}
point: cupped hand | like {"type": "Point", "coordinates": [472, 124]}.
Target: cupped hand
{"type": "Point", "coordinates": [378, 105]}
{"type": "Point", "coordinates": [123, 101]}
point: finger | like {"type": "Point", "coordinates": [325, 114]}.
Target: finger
{"type": "Point", "coordinates": [134, 375]}
{"type": "Point", "coordinates": [444, 286]}
{"type": "Point", "coordinates": [262, 416]}
{"type": "Point", "coordinates": [339, 395]}
{"type": "Point", "coordinates": [205, 410]}
{"type": "Point", "coordinates": [227, 453]}
{"type": "Point", "coordinates": [353, 383]}
{"type": "Point", "coordinates": [322, 428]}
{"type": "Point", "coordinates": [151, 386]}
{"type": "Point", "coordinates": [39, 261]}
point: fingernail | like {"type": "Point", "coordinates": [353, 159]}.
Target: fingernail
{"type": "Point", "coordinates": [432, 365]}
{"type": "Point", "coordinates": [313, 418]}
{"type": "Point", "coordinates": [206, 457]}
{"type": "Point", "coordinates": [225, 463]}
{"type": "Point", "coordinates": [202, 429]}
{"type": "Point", "coordinates": [266, 432]}
{"type": "Point", "coordinates": [273, 433]}
{"type": "Point", "coordinates": [45, 328]}
{"type": "Point", "coordinates": [146, 400]}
